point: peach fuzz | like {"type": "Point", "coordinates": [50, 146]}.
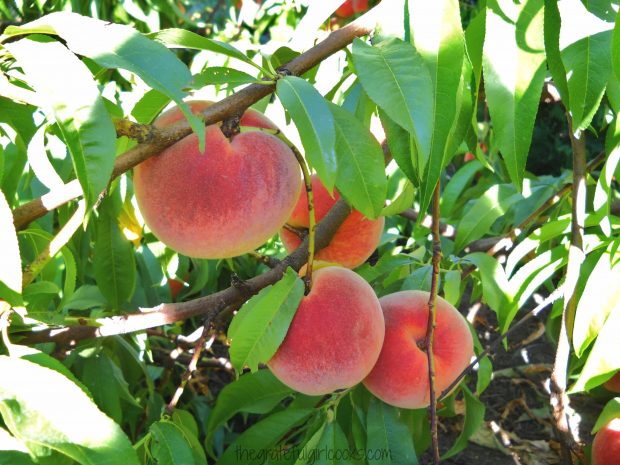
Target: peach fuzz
{"type": "Point", "coordinates": [335, 337]}
{"type": "Point", "coordinates": [400, 377]}
{"type": "Point", "coordinates": [222, 203]}
{"type": "Point", "coordinates": [354, 241]}
{"type": "Point", "coordinates": [606, 445]}
{"type": "Point", "coordinates": [613, 384]}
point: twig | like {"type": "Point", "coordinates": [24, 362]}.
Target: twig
{"type": "Point", "coordinates": [234, 104]}
{"type": "Point", "coordinates": [191, 367]}
{"type": "Point", "coordinates": [207, 306]}
{"type": "Point", "coordinates": [559, 398]}
{"type": "Point", "coordinates": [555, 295]}
{"type": "Point", "coordinates": [432, 321]}
{"type": "Point", "coordinates": [268, 260]}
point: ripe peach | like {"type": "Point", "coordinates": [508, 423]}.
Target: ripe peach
{"type": "Point", "coordinates": [606, 445]}
{"type": "Point", "coordinates": [222, 203]}
{"type": "Point", "coordinates": [350, 7]}
{"type": "Point", "coordinates": [353, 243]}
{"type": "Point", "coordinates": [613, 384]}
{"type": "Point", "coordinates": [335, 337]}
{"type": "Point", "coordinates": [400, 376]}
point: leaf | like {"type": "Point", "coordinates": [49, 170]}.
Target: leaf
{"type": "Point", "coordinates": [604, 358]}
{"type": "Point", "coordinates": [402, 202]}
{"type": "Point", "coordinates": [168, 445]}
{"type": "Point", "coordinates": [257, 443]}
{"type": "Point", "coordinates": [597, 302]}
{"type": "Point", "coordinates": [474, 419]}
{"type": "Point", "coordinates": [514, 73]}
{"type": "Point", "coordinates": [360, 177]}
{"type": "Point", "coordinates": [260, 326]}
{"type": "Point", "coordinates": [118, 46]}
{"type": "Point", "coordinates": [256, 392]}
{"type": "Point", "coordinates": [180, 38]}
{"type": "Point", "coordinates": [457, 184]}
{"type": "Point", "coordinates": [149, 106]}
{"type": "Point", "coordinates": [609, 412]}
{"type": "Point", "coordinates": [585, 49]}
{"type": "Point", "coordinates": [402, 147]}
{"type": "Point", "coordinates": [315, 124]}
{"type": "Point", "coordinates": [485, 210]}
{"type": "Point", "coordinates": [332, 446]}
{"type": "Point", "coordinates": [420, 279]}
{"type": "Point", "coordinates": [12, 451]}
{"type": "Point", "coordinates": [452, 286]}
{"type": "Point", "coordinates": [219, 75]}
{"type": "Point", "coordinates": [10, 265]}
{"type": "Point", "coordinates": [72, 99]}
{"type": "Point", "coordinates": [395, 77]}
{"type": "Point", "coordinates": [437, 35]}
{"type": "Point", "coordinates": [387, 433]}
{"type": "Point", "coordinates": [40, 407]}
{"type": "Point", "coordinates": [114, 264]}
{"type": "Point", "coordinates": [495, 286]}
{"type": "Point", "coordinates": [603, 195]}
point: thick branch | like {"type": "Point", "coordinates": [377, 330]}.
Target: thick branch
{"type": "Point", "coordinates": [234, 104]}
{"type": "Point", "coordinates": [208, 306]}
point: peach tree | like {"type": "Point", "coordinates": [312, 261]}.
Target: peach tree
{"type": "Point", "coordinates": [151, 319]}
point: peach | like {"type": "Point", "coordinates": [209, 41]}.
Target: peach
{"type": "Point", "coordinates": [354, 241]}
{"type": "Point", "coordinates": [335, 337]}
{"type": "Point", "coordinates": [222, 203]}
{"type": "Point", "coordinates": [613, 384]}
{"type": "Point", "coordinates": [350, 7]}
{"type": "Point", "coordinates": [400, 377]}
{"type": "Point", "coordinates": [606, 445]}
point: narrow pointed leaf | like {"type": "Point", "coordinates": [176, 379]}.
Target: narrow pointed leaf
{"type": "Point", "coordinates": [474, 418]}
{"type": "Point", "coordinates": [73, 101]}
{"type": "Point", "coordinates": [437, 35]}
{"type": "Point", "coordinates": [360, 178]}
{"type": "Point", "coordinates": [387, 433]}
{"type": "Point", "coordinates": [168, 445]}
{"type": "Point", "coordinates": [41, 407]}
{"type": "Point", "coordinates": [315, 124]}
{"type": "Point", "coordinates": [260, 326]}
{"type": "Point", "coordinates": [514, 73]}
{"type": "Point", "coordinates": [10, 265]}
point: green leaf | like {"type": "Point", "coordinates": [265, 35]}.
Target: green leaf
{"type": "Point", "coordinates": [256, 392]}
{"type": "Point", "coordinates": [474, 418]}
{"type": "Point", "coordinates": [603, 194]}
{"type": "Point", "coordinates": [396, 78]}
{"type": "Point", "coordinates": [10, 265]}
{"type": "Point", "coordinates": [485, 210]}
{"type": "Point", "coordinates": [180, 38]}
{"type": "Point", "coordinates": [609, 412]}
{"type": "Point", "coordinates": [495, 286]}
{"type": "Point", "coordinates": [420, 279]}
{"type": "Point", "coordinates": [260, 326]}
{"type": "Point", "coordinates": [315, 124]}
{"type": "Point", "coordinates": [386, 433]}
{"type": "Point", "coordinates": [12, 451]}
{"type": "Point", "coordinates": [149, 106]}
{"type": "Point", "coordinates": [514, 73]}
{"type": "Point", "coordinates": [257, 443]}
{"type": "Point", "coordinates": [452, 286]}
{"type": "Point", "coordinates": [168, 445]}
{"type": "Point", "coordinates": [114, 264]}
{"type": "Point", "coordinates": [552, 26]}
{"type": "Point", "coordinates": [402, 147]}
{"type": "Point", "coordinates": [437, 35]}
{"type": "Point", "coordinates": [402, 202]}
{"type": "Point", "coordinates": [219, 75]}
{"type": "Point", "coordinates": [332, 446]}
{"type": "Point", "coordinates": [585, 49]}
{"type": "Point", "coordinates": [40, 407]}
{"type": "Point", "coordinates": [360, 177]}
{"type": "Point", "coordinates": [604, 358]}
{"type": "Point", "coordinates": [457, 184]}
{"type": "Point", "coordinates": [119, 46]}
{"type": "Point", "coordinates": [615, 48]}
{"type": "Point", "coordinates": [597, 302]}
{"type": "Point", "coordinates": [72, 99]}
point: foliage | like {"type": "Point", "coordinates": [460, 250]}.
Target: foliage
{"type": "Point", "coordinates": [442, 79]}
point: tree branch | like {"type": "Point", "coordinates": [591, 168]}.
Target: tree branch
{"type": "Point", "coordinates": [207, 307]}
{"type": "Point", "coordinates": [237, 103]}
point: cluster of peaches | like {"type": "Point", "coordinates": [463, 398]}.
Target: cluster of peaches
{"type": "Point", "coordinates": [237, 195]}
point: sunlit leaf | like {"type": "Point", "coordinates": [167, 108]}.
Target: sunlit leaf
{"type": "Point", "coordinates": [514, 72]}
{"type": "Point", "coordinates": [10, 265]}
{"type": "Point", "coordinates": [609, 412]}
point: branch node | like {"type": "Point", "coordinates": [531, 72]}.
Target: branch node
{"type": "Point", "coordinates": [230, 125]}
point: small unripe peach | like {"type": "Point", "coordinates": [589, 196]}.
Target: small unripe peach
{"type": "Point", "coordinates": [400, 377]}
{"type": "Point", "coordinates": [606, 445]}
{"type": "Point", "coordinates": [335, 337]}
{"type": "Point", "coordinates": [354, 241]}
{"type": "Point", "coordinates": [222, 203]}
